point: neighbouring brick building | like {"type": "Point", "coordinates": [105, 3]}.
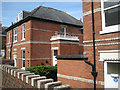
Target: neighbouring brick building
{"type": "Point", "coordinates": [38, 36]}
{"type": "Point", "coordinates": [107, 39]}
{"type": "Point", "coordinates": [2, 40]}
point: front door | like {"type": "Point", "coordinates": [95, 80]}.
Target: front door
{"type": "Point", "coordinates": [111, 74]}
{"type": "Point", "coordinates": [15, 60]}
{"type": "Point", "coordinates": [55, 52]}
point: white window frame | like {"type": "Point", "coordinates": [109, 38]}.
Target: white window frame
{"type": "Point", "coordinates": [8, 53]}
{"type": "Point", "coordinates": [109, 29]}
{"type": "Point", "coordinates": [9, 37]}
{"type": "Point", "coordinates": [23, 59]}
{"type": "Point", "coordinates": [15, 35]}
{"type": "Point", "coordinates": [23, 32]}
{"type": "Point", "coordinates": [64, 31]}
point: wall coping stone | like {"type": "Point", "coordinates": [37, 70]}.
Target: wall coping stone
{"type": "Point", "coordinates": [63, 87]}
{"type": "Point", "coordinates": [40, 82]}
{"type": "Point", "coordinates": [26, 74]}
{"type": "Point", "coordinates": [52, 84]}
{"type": "Point", "coordinates": [31, 76]}
{"type": "Point", "coordinates": [18, 74]}
{"type": "Point", "coordinates": [37, 78]}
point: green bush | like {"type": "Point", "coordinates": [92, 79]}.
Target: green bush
{"type": "Point", "coordinates": [48, 71]}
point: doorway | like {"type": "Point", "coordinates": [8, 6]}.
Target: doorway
{"type": "Point", "coordinates": [55, 53]}
{"type": "Point", "coordinates": [111, 74]}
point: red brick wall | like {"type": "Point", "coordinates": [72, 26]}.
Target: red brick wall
{"type": "Point", "coordinates": [76, 68]}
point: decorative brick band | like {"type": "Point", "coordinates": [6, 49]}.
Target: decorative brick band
{"type": "Point", "coordinates": [42, 42]}
{"type": "Point", "coordinates": [102, 40]}
{"type": "Point", "coordinates": [104, 44]}
{"type": "Point", "coordinates": [27, 79]}
{"type": "Point", "coordinates": [35, 58]}
{"type": "Point", "coordinates": [90, 12]}
{"type": "Point", "coordinates": [80, 79]}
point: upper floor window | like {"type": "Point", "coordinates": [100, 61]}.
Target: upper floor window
{"type": "Point", "coordinates": [23, 32]}
{"type": "Point", "coordinates": [64, 31]}
{"type": "Point", "coordinates": [15, 35]}
{"type": "Point", "coordinates": [8, 37]}
{"type": "Point", "coordinates": [110, 16]}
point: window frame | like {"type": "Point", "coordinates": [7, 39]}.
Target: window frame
{"type": "Point", "coordinates": [64, 31]}
{"type": "Point", "coordinates": [23, 59]}
{"type": "Point", "coordinates": [9, 37]}
{"type": "Point", "coordinates": [108, 29]}
{"type": "Point", "coordinates": [23, 32]}
{"type": "Point", "coordinates": [9, 54]}
{"type": "Point", "coordinates": [15, 35]}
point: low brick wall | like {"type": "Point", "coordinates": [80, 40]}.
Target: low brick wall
{"type": "Point", "coordinates": [13, 77]}
{"type": "Point", "coordinates": [77, 73]}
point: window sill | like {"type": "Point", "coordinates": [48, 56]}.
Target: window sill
{"type": "Point", "coordinates": [15, 42]}
{"type": "Point", "coordinates": [110, 29]}
{"type": "Point", "coordinates": [23, 40]}
{"type": "Point", "coordinates": [23, 68]}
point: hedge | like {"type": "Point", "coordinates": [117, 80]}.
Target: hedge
{"type": "Point", "coordinates": [48, 71]}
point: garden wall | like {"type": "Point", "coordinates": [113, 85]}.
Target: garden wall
{"type": "Point", "coordinates": [13, 77]}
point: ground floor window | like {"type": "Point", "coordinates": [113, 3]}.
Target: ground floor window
{"type": "Point", "coordinates": [23, 58]}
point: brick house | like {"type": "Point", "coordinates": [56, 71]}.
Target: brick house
{"type": "Point", "coordinates": [106, 38]}
{"type": "Point", "coordinates": [38, 36]}
{"type": "Point", "coordinates": [76, 72]}
{"type": "Point", "coordinates": [2, 40]}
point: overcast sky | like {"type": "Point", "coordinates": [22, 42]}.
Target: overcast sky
{"type": "Point", "coordinates": [11, 9]}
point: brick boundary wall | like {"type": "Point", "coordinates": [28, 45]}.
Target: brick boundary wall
{"type": "Point", "coordinates": [13, 77]}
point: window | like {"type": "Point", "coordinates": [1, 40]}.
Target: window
{"type": "Point", "coordinates": [8, 37]}
{"type": "Point", "coordinates": [63, 31]}
{"type": "Point", "coordinates": [55, 52]}
{"type": "Point", "coordinates": [15, 35]}
{"type": "Point", "coordinates": [110, 16]}
{"type": "Point", "coordinates": [23, 32]}
{"type": "Point", "coordinates": [113, 68]}
{"type": "Point", "coordinates": [23, 58]}
{"type": "Point", "coordinates": [9, 54]}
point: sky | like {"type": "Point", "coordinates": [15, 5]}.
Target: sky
{"type": "Point", "coordinates": [11, 9]}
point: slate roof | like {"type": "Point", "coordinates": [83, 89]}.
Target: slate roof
{"type": "Point", "coordinates": [46, 13]}
{"type": "Point", "coordinates": [54, 15]}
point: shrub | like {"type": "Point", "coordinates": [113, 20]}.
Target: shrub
{"type": "Point", "coordinates": [48, 71]}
